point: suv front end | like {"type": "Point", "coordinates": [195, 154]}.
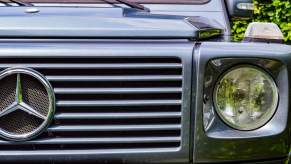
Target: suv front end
{"type": "Point", "coordinates": [95, 83]}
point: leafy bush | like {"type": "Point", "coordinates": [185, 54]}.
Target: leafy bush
{"type": "Point", "coordinates": [276, 11]}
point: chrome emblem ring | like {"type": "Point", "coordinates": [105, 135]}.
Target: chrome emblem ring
{"type": "Point", "coordinates": [27, 104]}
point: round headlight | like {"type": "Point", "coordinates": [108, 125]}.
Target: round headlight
{"type": "Point", "coordinates": [245, 97]}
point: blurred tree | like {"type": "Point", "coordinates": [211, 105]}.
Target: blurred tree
{"type": "Point", "coordinates": [276, 11]}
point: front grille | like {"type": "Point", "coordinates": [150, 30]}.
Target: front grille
{"type": "Point", "coordinates": [109, 103]}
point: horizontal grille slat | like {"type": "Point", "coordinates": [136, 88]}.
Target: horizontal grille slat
{"type": "Point", "coordinates": [94, 66]}
{"type": "Point", "coordinates": [109, 103]}
{"type": "Point", "coordinates": [120, 150]}
{"type": "Point", "coordinates": [80, 128]}
{"type": "Point", "coordinates": [115, 90]}
{"type": "Point", "coordinates": [115, 78]}
{"type": "Point", "coordinates": [117, 115]}
{"type": "Point", "coordinates": [99, 140]}
{"type": "Point", "coordinates": [117, 103]}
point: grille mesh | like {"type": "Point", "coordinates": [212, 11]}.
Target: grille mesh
{"type": "Point", "coordinates": [108, 103]}
{"type": "Point", "coordinates": [19, 122]}
{"type": "Point", "coordinates": [7, 90]}
{"type": "Point", "coordinates": [35, 94]}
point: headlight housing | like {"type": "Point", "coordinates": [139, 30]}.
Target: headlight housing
{"type": "Point", "coordinates": [245, 97]}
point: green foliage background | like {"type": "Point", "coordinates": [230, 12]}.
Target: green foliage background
{"type": "Point", "coordinates": [276, 11]}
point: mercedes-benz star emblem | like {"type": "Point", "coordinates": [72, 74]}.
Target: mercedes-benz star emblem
{"type": "Point", "coordinates": [27, 103]}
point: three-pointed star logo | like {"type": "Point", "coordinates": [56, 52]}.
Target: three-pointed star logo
{"type": "Point", "coordinates": [19, 104]}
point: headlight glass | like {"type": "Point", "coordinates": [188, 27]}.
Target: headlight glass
{"type": "Point", "coordinates": [245, 97]}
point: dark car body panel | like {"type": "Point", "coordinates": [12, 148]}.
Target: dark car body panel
{"type": "Point", "coordinates": [96, 31]}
